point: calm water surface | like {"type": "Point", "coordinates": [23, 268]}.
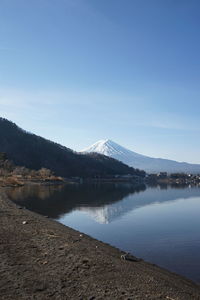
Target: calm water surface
{"type": "Point", "coordinates": [160, 224]}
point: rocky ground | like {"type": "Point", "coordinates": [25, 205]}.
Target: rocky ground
{"type": "Point", "coordinates": [42, 259]}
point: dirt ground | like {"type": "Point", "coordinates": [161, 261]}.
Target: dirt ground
{"type": "Point", "coordinates": [42, 259]}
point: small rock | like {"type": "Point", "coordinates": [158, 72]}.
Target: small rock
{"type": "Point", "coordinates": [39, 287]}
{"type": "Point", "coordinates": [24, 222]}
{"type": "Point", "coordinates": [128, 256]}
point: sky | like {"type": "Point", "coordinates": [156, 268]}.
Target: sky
{"type": "Point", "coordinates": [78, 71]}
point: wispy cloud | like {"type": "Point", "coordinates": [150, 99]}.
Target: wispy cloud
{"type": "Point", "coordinates": [170, 122]}
{"type": "Point", "coordinates": [120, 110]}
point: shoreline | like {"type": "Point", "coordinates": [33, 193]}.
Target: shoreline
{"type": "Point", "coordinates": [42, 259]}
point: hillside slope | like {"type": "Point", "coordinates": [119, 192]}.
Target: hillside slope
{"type": "Point", "coordinates": [35, 152]}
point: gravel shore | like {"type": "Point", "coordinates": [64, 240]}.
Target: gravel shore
{"type": "Point", "coordinates": [42, 259]}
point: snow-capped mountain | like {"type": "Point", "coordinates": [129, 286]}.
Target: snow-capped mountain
{"type": "Point", "coordinates": [133, 159]}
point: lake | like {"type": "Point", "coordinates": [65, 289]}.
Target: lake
{"type": "Point", "coordinates": [160, 224]}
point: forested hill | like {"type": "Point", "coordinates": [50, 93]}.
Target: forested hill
{"type": "Point", "coordinates": [35, 152]}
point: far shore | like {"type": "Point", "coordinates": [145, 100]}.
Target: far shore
{"type": "Point", "coordinates": [42, 259]}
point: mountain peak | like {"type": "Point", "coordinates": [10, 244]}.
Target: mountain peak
{"type": "Point", "coordinates": [106, 147]}
{"type": "Point", "coordinates": [103, 141]}
{"type": "Point", "coordinates": [149, 164]}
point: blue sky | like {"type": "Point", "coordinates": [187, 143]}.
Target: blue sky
{"type": "Point", "coordinates": [76, 71]}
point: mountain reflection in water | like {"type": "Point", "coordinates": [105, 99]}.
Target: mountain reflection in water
{"type": "Point", "coordinates": [104, 202]}
{"type": "Point", "coordinates": [54, 201]}
{"type": "Point", "coordinates": [159, 223]}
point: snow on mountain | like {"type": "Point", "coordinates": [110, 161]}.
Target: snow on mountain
{"type": "Point", "coordinates": [133, 159]}
{"type": "Point", "coordinates": [110, 148]}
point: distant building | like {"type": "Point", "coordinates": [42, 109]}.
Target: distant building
{"type": "Point", "coordinates": [152, 177]}
{"type": "Point", "coordinates": [162, 175]}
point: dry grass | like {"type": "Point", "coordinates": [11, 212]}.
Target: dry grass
{"type": "Point", "coordinates": [10, 181]}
